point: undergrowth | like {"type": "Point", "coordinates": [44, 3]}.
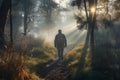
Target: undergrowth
{"type": "Point", "coordinates": [13, 67]}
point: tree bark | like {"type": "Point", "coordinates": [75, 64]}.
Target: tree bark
{"type": "Point", "coordinates": [11, 25]}
{"type": "Point", "coordinates": [5, 6]}
{"type": "Point", "coordinates": [88, 28]}
{"type": "Point", "coordinates": [25, 16]}
{"type": "Point", "coordinates": [92, 24]}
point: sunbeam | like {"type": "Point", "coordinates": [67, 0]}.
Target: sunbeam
{"type": "Point", "coordinates": [76, 39]}
{"type": "Point", "coordinates": [47, 30]}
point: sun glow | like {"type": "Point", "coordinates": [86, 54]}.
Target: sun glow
{"type": "Point", "coordinates": [93, 10]}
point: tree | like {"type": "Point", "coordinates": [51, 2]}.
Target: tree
{"type": "Point", "coordinates": [25, 4]}
{"type": "Point", "coordinates": [92, 24]}
{"type": "Point", "coordinates": [28, 4]}
{"type": "Point", "coordinates": [46, 7]}
{"type": "Point", "coordinates": [4, 9]}
{"type": "Point", "coordinates": [11, 25]}
{"type": "Point", "coordinates": [90, 19]}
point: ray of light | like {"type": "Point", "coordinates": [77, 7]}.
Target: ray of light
{"type": "Point", "coordinates": [76, 40]}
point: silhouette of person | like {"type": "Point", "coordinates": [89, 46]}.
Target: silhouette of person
{"type": "Point", "coordinates": [60, 43]}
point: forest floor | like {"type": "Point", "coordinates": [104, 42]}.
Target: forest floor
{"type": "Point", "coordinates": [75, 66]}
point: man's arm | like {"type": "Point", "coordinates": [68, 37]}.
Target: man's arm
{"type": "Point", "coordinates": [65, 41]}
{"type": "Point", "coordinates": [55, 41]}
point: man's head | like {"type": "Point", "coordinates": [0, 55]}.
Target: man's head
{"type": "Point", "coordinates": [59, 31]}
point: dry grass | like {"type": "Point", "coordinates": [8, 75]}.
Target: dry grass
{"type": "Point", "coordinates": [75, 57]}
{"type": "Point", "coordinates": [13, 67]}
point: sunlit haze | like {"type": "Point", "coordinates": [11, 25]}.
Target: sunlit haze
{"type": "Point", "coordinates": [62, 3]}
{"type": "Point", "coordinates": [63, 20]}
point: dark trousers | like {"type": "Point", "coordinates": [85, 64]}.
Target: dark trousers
{"type": "Point", "coordinates": [60, 53]}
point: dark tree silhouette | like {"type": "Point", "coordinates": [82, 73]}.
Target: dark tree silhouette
{"type": "Point", "coordinates": [4, 9]}
{"type": "Point", "coordinates": [27, 5]}
{"type": "Point", "coordinates": [47, 6]}
{"type": "Point", "coordinates": [91, 20]}
{"type": "Point", "coordinates": [11, 24]}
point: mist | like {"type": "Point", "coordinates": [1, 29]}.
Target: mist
{"type": "Point", "coordinates": [45, 26]}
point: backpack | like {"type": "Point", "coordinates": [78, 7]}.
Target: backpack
{"type": "Point", "coordinates": [60, 39]}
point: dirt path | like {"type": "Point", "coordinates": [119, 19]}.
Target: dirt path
{"type": "Point", "coordinates": [58, 71]}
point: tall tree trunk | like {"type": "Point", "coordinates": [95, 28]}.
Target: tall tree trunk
{"type": "Point", "coordinates": [86, 11]}
{"type": "Point", "coordinates": [25, 16]}
{"type": "Point", "coordinates": [5, 6]}
{"type": "Point", "coordinates": [92, 23]}
{"type": "Point", "coordinates": [11, 25]}
{"type": "Point", "coordinates": [88, 28]}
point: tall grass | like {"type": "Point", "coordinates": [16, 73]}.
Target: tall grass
{"type": "Point", "coordinates": [13, 67]}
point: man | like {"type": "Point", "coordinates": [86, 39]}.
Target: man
{"type": "Point", "coordinates": [60, 43]}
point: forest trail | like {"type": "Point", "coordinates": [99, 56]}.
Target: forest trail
{"type": "Point", "coordinates": [58, 70]}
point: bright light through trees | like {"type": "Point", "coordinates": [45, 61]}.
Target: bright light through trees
{"type": "Point", "coordinates": [93, 10]}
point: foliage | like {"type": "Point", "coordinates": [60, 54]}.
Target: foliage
{"type": "Point", "coordinates": [12, 67]}
{"type": "Point", "coordinates": [27, 44]}
{"type": "Point", "coordinates": [76, 3]}
{"type": "Point", "coordinates": [108, 15]}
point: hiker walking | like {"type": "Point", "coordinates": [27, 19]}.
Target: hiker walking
{"type": "Point", "coordinates": [60, 43]}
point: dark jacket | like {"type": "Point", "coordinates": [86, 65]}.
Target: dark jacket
{"type": "Point", "coordinates": [60, 41]}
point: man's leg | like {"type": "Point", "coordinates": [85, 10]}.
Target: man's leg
{"type": "Point", "coordinates": [59, 53]}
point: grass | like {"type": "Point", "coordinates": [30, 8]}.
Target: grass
{"type": "Point", "coordinates": [40, 59]}
{"type": "Point", "coordinates": [16, 66]}
{"type": "Point", "coordinates": [13, 67]}
{"type": "Point", "coordinates": [78, 62]}
{"type": "Point", "coordinates": [28, 61]}
{"type": "Point", "coordinates": [105, 67]}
